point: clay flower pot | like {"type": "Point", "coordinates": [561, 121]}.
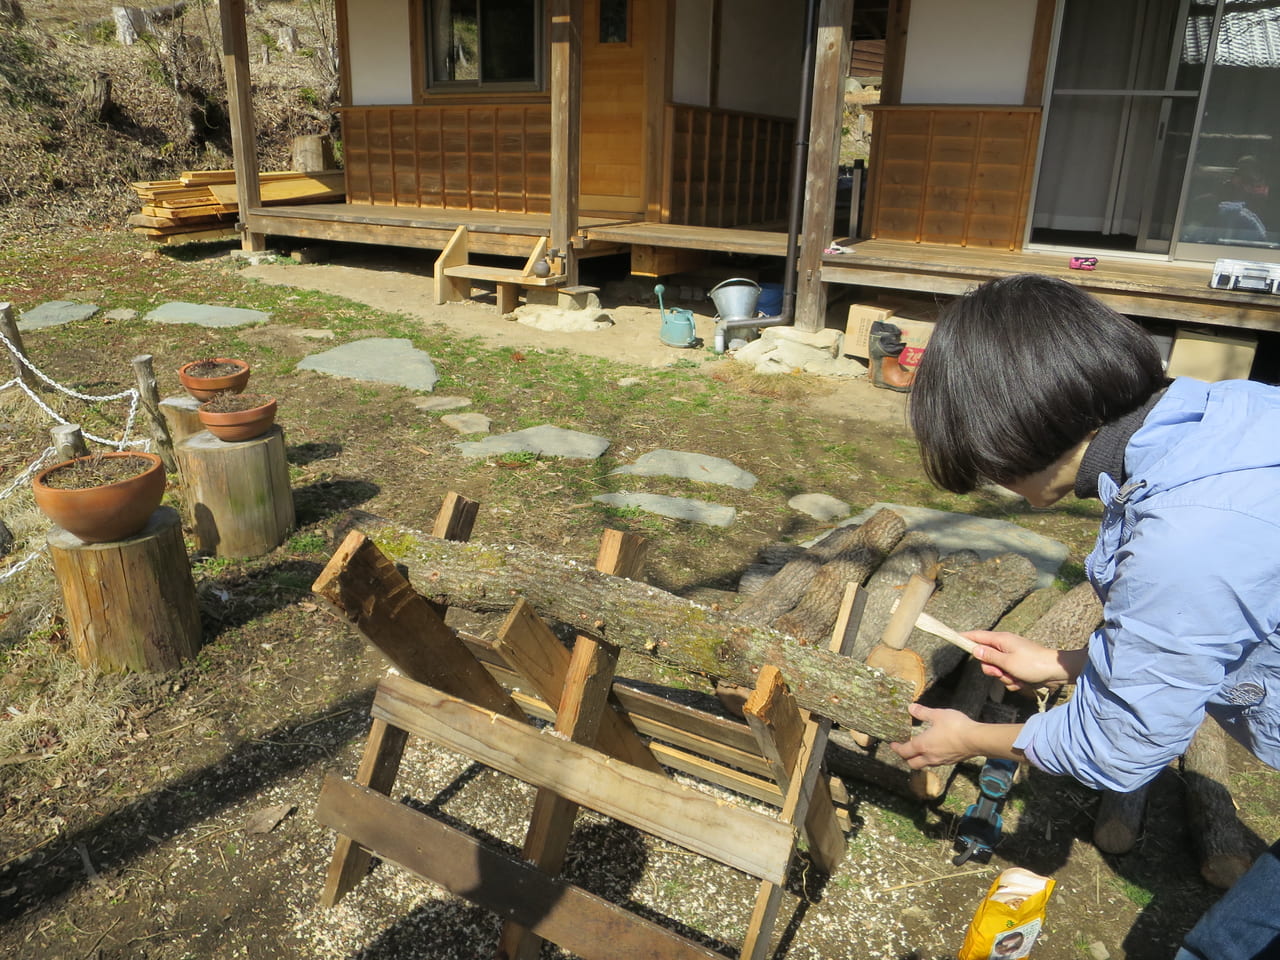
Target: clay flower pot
{"type": "Point", "coordinates": [238, 417]}
{"type": "Point", "coordinates": [101, 513]}
{"type": "Point", "coordinates": [205, 387]}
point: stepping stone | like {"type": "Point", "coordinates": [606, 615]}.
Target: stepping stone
{"type": "Point", "coordinates": [690, 466]}
{"type": "Point", "coordinates": [545, 440]}
{"type": "Point", "coordinates": [206, 315]}
{"type": "Point", "coordinates": [435, 404]}
{"type": "Point", "coordinates": [121, 313]}
{"type": "Point", "coordinates": [54, 314]}
{"type": "Point", "coordinates": [467, 422]}
{"type": "Point", "coordinates": [378, 360]}
{"type": "Point", "coordinates": [987, 538]}
{"type": "Point", "coordinates": [820, 506]}
{"type": "Point", "coordinates": [677, 508]}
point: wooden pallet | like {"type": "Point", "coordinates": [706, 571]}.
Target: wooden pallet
{"type": "Point", "coordinates": [448, 691]}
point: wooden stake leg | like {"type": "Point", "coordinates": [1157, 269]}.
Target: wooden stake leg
{"type": "Point", "coordinates": [581, 715]}
{"type": "Point", "coordinates": [378, 768]}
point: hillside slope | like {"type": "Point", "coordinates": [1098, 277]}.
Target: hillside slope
{"type": "Point", "coordinates": [68, 155]}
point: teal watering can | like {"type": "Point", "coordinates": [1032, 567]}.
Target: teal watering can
{"type": "Point", "coordinates": [677, 325]}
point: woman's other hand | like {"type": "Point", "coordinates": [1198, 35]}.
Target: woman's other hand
{"type": "Point", "coordinates": [1019, 663]}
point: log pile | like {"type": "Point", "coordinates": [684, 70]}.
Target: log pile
{"type": "Point", "coordinates": [202, 204]}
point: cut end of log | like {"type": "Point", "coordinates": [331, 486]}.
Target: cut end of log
{"type": "Point", "coordinates": [906, 664]}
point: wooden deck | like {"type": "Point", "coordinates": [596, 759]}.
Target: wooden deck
{"type": "Point", "coordinates": [426, 228]}
{"type": "Point", "coordinates": [1142, 288]}
{"type": "Point", "coordinates": [1177, 292]}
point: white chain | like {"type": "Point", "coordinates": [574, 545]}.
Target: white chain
{"type": "Point", "coordinates": [34, 467]}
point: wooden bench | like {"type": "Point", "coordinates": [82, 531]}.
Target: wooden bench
{"type": "Point", "coordinates": [454, 273]}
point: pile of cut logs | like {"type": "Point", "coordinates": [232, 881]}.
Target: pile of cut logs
{"type": "Point", "coordinates": [202, 204]}
{"type": "Point", "coordinates": [790, 607]}
{"type": "Point", "coordinates": [973, 594]}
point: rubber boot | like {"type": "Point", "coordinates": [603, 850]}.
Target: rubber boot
{"type": "Point", "coordinates": [884, 347]}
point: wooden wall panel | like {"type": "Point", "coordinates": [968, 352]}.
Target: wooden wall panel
{"type": "Point", "coordinates": [487, 156]}
{"type": "Point", "coordinates": [726, 168]}
{"type": "Point", "coordinates": [952, 174]}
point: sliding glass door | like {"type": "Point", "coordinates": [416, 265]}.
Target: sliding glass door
{"type": "Point", "coordinates": [1230, 204]}
{"type": "Point", "coordinates": [1162, 129]}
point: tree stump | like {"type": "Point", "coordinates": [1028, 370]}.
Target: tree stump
{"type": "Point", "coordinates": [180, 417]}
{"type": "Point", "coordinates": [130, 604]}
{"type": "Point", "coordinates": [238, 493]}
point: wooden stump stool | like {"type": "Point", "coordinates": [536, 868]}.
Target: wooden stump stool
{"type": "Point", "coordinates": [131, 604]}
{"type": "Point", "coordinates": [180, 416]}
{"type": "Point", "coordinates": [238, 493]}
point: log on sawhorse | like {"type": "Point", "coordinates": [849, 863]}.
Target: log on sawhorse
{"type": "Point", "coordinates": [781, 752]}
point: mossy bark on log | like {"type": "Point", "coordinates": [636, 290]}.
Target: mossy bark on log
{"type": "Point", "coordinates": [1068, 624]}
{"type": "Point", "coordinates": [785, 589]}
{"type": "Point", "coordinates": [1028, 610]}
{"type": "Point", "coordinates": [485, 578]}
{"type": "Point", "coordinates": [1215, 826]}
{"type": "Point", "coordinates": [812, 618]}
{"type": "Point", "coordinates": [877, 765]}
{"type": "Point", "coordinates": [916, 553]}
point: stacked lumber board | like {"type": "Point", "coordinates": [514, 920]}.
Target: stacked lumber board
{"type": "Point", "coordinates": [202, 204]}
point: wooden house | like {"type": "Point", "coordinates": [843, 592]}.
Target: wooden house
{"type": "Point", "coordinates": [1011, 136]}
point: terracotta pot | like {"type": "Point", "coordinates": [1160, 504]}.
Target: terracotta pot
{"type": "Point", "coordinates": [206, 388]}
{"type": "Point", "coordinates": [114, 511]}
{"type": "Point", "coordinates": [239, 424]}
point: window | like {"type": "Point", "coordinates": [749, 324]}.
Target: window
{"type": "Point", "coordinates": [613, 20]}
{"type": "Point", "coordinates": [484, 43]}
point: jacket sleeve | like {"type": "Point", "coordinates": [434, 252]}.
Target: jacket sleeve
{"type": "Point", "coordinates": [1179, 612]}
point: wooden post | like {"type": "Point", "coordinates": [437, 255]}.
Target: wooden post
{"type": "Point", "coordinates": [68, 441]}
{"type": "Point", "coordinates": [181, 417]}
{"type": "Point", "coordinates": [131, 604]}
{"type": "Point", "coordinates": [149, 398]}
{"type": "Point", "coordinates": [239, 495]}
{"type": "Point", "coordinates": [9, 327]}
{"type": "Point", "coordinates": [566, 98]}
{"type": "Point", "coordinates": [313, 152]}
{"type": "Point", "coordinates": [831, 66]}
{"type": "Point", "coordinates": [1118, 822]}
{"type": "Point", "coordinates": [244, 152]}
{"type": "Point", "coordinates": [581, 714]}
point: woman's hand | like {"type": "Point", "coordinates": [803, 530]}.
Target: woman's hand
{"type": "Point", "coordinates": [950, 737]}
{"type": "Point", "coordinates": [1019, 663]}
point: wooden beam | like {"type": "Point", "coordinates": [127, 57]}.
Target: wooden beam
{"type": "Point", "coordinates": [741, 838]}
{"type": "Point", "coordinates": [581, 922]}
{"type": "Point", "coordinates": [489, 579]}
{"type": "Point", "coordinates": [895, 52]}
{"type": "Point", "coordinates": [244, 150]}
{"type": "Point", "coordinates": [1038, 61]}
{"type": "Point", "coordinates": [365, 587]}
{"type": "Point", "coordinates": [831, 66]}
{"type": "Point", "coordinates": [566, 120]}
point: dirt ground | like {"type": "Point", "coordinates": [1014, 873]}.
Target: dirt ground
{"type": "Point", "coordinates": [188, 830]}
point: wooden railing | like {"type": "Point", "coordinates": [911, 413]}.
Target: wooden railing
{"type": "Point", "coordinates": [491, 156]}
{"type": "Point", "coordinates": [724, 168]}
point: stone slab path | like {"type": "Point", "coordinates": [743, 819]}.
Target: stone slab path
{"type": "Point", "coordinates": [206, 315]}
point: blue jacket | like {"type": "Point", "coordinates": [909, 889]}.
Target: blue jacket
{"type": "Point", "coordinates": [1187, 565]}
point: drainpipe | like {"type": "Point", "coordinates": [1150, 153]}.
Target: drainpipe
{"type": "Point", "coordinates": [799, 161]}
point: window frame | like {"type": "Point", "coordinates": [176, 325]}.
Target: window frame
{"type": "Point", "coordinates": [428, 86]}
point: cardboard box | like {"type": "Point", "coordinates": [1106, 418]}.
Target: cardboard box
{"type": "Point", "coordinates": [915, 333]}
{"type": "Point", "coordinates": [1204, 355]}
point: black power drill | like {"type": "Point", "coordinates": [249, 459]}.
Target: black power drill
{"type": "Point", "coordinates": [980, 827]}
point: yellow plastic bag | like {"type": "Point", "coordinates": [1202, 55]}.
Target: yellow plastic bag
{"type": "Point", "coordinates": [1008, 921]}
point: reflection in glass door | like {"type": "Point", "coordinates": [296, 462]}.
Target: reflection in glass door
{"type": "Point", "coordinates": [1118, 126]}
{"type": "Point", "coordinates": [1230, 202]}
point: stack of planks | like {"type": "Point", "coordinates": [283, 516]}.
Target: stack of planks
{"type": "Point", "coordinates": [202, 204]}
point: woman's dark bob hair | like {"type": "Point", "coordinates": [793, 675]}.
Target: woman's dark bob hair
{"type": "Point", "coordinates": [1018, 372]}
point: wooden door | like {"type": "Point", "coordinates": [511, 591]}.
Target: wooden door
{"type": "Point", "coordinates": [623, 92]}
